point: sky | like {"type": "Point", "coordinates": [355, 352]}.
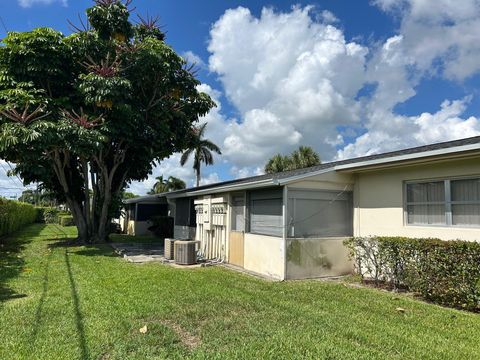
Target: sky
{"type": "Point", "coordinates": [349, 78]}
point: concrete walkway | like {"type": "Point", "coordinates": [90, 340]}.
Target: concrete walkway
{"type": "Point", "coordinates": [140, 253]}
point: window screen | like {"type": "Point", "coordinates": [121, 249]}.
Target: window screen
{"type": "Point", "coordinates": [147, 211]}
{"type": "Point", "coordinates": [426, 203]}
{"type": "Point", "coordinates": [319, 214]}
{"type": "Point", "coordinates": [238, 213]}
{"type": "Point", "coordinates": [465, 202]}
{"type": "Point", "coordinates": [266, 212]}
{"type": "Point", "coordinates": [185, 212]}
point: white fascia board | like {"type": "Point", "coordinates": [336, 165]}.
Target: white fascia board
{"type": "Point", "coordinates": [233, 187]}
{"type": "Point", "coordinates": [406, 157]}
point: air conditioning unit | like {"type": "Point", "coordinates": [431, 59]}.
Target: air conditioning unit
{"type": "Point", "coordinates": [169, 249]}
{"type": "Point", "coordinates": [185, 252]}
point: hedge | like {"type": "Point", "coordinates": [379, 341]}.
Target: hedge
{"type": "Point", "coordinates": [444, 272]}
{"type": "Point", "coordinates": [66, 220]}
{"type": "Point", "coordinates": [14, 215]}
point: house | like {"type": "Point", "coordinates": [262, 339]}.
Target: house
{"type": "Point", "coordinates": [137, 212]}
{"type": "Point", "coordinates": [291, 225]}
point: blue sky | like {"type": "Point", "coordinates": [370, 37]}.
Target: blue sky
{"type": "Point", "coordinates": [346, 77]}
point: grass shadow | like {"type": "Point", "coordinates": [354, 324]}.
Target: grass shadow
{"type": "Point", "coordinates": [83, 249]}
{"type": "Point", "coordinates": [11, 262]}
{"type": "Point", "coordinates": [41, 302]}
{"type": "Point", "coordinates": [77, 310]}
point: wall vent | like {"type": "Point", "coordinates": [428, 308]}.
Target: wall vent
{"type": "Point", "coordinates": [185, 252]}
{"type": "Point", "coordinates": [169, 249]}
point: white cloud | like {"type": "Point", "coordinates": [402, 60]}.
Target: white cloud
{"type": "Point", "coordinates": [391, 132]}
{"type": "Point", "coordinates": [441, 35]}
{"type": "Point", "coordinates": [328, 17]}
{"type": "Point", "coordinates": [30, 3]}
{"type": "Point", "coordinates": [193, 58]}
{"type": "Point", "coordinates": [293, 80]}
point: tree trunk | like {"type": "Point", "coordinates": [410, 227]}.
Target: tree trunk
{"type": "Point", "coordinates": [197, 171]}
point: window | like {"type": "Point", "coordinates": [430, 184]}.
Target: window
{"type": "Point", "coordinates": [238, 213]}
{"type": "Point", "coordinates": [465, 202]}
{"type": "Point", "coordinates": [266, 212]}
{"type": "Point", "coordinates": [319, 213]}
{"type": "Point", "coordinates": [426, 203]}
{"type": "Point", "coordinates": [453, 202]}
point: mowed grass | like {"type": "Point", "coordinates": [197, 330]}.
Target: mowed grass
{"type": "Point", "coordinates": [82, 302]}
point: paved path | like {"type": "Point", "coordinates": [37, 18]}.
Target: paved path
{"type": "Point", "coordinates": [140, 253]}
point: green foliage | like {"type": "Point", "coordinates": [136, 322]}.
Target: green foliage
{"type": "Point", "coordinates": [301, 158]}
{"type": "Point", "coordinates": [50, 215]}
{"type": "Point", "coordinates": [104, 103]}
{"type": "Point", "coordinates": [66, 220]}
{"type": "Point", "coordinates": [165, 185]}
{"type": "Point", "coordinates": [445, 272]}
{"type": "Point", "coordinates": [15, 215]}
{"type": "Point", "coordinates": [111, 20]}
{"type": "Point", "coordinates": [129, 195]}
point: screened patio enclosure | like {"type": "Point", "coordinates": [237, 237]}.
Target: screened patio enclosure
{"type": "Point", "coordinates": [317, 223]}
{"type": "Point", "coordinates": [310, 235]}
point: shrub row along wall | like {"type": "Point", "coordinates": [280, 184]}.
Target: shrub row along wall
{"type": "Point", "coordinates": [445, 272]}
{"type": "Point", "coordinates": [14, 215]}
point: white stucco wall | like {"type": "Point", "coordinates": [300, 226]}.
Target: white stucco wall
{"type": "Point", "coordinates": [378, 200]}
{"type": "Point", "coordinates": [264, 255]}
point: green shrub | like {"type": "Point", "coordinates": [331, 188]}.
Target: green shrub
{"type": "Point", "coordinates": [14, 215]}
{"type": "Point", "coordinates": [50, 215]}
{"type": "Point", "coordinates": [444, 272]}
{"type": "Point", "coordinates": [66, 220]}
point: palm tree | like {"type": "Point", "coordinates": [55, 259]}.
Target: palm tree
{"type": "Point", "coordinates": [277, 163]}
{"type": "Point", "coordinates": [202, 150]}
{"type": "Point", "coordinates": [304, 157]}
{"type": "Point", "coordinates": [301, 158]}
{"type": "Point", "coordinates": [165, 185]}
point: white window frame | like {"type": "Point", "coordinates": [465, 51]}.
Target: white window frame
{"type": "Point", "coordinates": [448, 202]}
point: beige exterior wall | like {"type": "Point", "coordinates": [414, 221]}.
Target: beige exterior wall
{"type": "Point", "coordinates": [378, 200]}
{"type": "Point", "coordinates": [138, 228]}
{"type": "Point", "coordinates": [265, 255]}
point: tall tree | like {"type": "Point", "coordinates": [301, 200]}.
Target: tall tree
{"type": "Point", "coordinates": [304, 157]}
{"type": "Point", "coordinates": [278, 163]}
{"type": "Point", "coordinates": [301, 158]}
{"type": "Point", "coordinates": [165, 185]}
{"type": "Point", "coordinates": [95, 109]}
{"type": "Point", "coordinates": [201, 149]}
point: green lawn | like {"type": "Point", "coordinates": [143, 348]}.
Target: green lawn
{"type": "Point", "coordinates": [61, 302]}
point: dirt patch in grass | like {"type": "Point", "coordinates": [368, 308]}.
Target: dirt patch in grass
{"type": "Point", "coordinates": [188, 340]}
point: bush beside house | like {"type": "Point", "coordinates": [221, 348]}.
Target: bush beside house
{"type": "Point", "coordinates": [444, 272]}
{"type": "Point", "coordinates": [14, 215]}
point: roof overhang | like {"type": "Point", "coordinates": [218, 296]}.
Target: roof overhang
{"type": "Point", "coordinates": [225, 188]}
{"type": "Point", "coordinates": [406, 159]}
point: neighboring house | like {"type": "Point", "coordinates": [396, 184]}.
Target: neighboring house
{"type": "Point", "coordinates": [137, 212]}
{"type": "Point", "coordinates": [291, 225]}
